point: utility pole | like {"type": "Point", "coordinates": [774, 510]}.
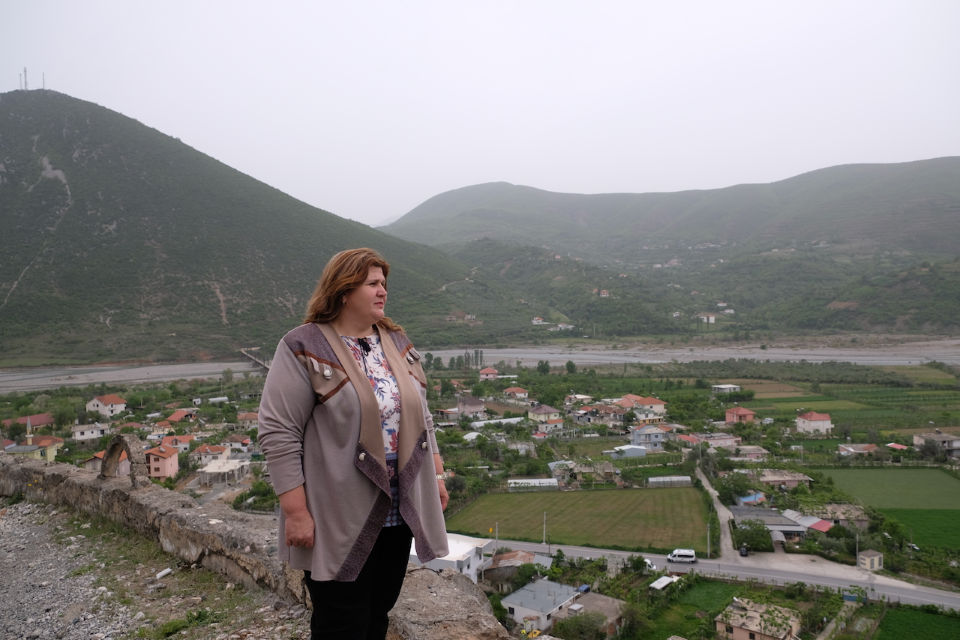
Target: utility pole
{"type": "Point", "coordinates": [708, 540]}
{"type": "Point", "coordinates": [545, 527]}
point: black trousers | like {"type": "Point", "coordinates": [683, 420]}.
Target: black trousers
{"type": "Point", "coordinates": [358, 610]}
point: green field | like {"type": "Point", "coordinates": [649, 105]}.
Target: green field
{"type": "Point", "coordinates": [682, 618]}
{"type": "Point", "coordinates": [646, 518]}
{"type": "Point", "coordinates": [900, 488]}
{"type": "Point", "coordinates": [930, 527]}
{"type": "Point", "coordinates": [906, 623]}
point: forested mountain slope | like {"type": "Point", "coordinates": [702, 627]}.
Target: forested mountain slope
{"type": "Point", "coordinates": [912, 206]}
{"type": "Point", "coordinates": [120, 242]}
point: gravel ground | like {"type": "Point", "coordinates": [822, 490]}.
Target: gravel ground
{"type": "Point", "coordinates": [63, 576]}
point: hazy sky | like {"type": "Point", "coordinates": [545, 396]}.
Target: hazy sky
{"type": "Point", "coordinates": [366, 109]}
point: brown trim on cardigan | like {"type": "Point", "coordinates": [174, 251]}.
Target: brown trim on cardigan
{"type": "Point", "coordinates": [408, 477]}
{"type": "Point", "coordinates": [327, 396]}
{"type": "Point", "coordinates": [372, 468]}
{"type": "Point", "coordinates": [362, 547]}
{"type": "Point", "coordinates": [332, 363]}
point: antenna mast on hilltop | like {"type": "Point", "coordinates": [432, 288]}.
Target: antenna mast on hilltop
{"type": "Point", "coordinates": [25, 87]}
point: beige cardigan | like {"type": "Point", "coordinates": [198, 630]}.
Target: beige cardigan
{"type": "Point", "coordinates": [320, 430]}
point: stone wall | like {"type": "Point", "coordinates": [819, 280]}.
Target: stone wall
{"type": "Point", "coordinates": [242, 547]}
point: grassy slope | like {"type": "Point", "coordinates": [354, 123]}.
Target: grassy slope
{"type": "Point", "coordinates": [654, 518]}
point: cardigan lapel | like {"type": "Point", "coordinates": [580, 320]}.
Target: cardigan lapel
{"type": "Point", "coordinates": [411, 411]}
{"type": "Point", "coordinates": [371, 433]}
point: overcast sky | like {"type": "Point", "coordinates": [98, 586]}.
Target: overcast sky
{"type": "Point", "coordinates": [366, 109]}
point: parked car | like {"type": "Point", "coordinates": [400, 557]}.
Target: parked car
{"type": "Point", "coordinates": [682, 555]}
{"type": "Point", "coordinates": [650, 566]}
{"type": "Point", "coordinates": [743, 551]}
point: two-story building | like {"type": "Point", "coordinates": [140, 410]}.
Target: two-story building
{"type": "Point", "coordinates": [725, 440]}
{"type": "Point", "coordinates": [649, 436]}
{"type": "Point", "coordinates": [948, 443]}
{"type": "Point", "coordinates": [108, 406]}
{"type": "Point", "coordinates": [739, 414]}
{"type": "Point", "coordinates": [162, 462]}
{"type": "Point", "coordinates": [813, 422]}
{"type": "Point", "coordinates": [488, 374]}
{"type": "Point", "coordinates": [82, 432]}
{"type": "Point", "coordinates": [655, 405]}
{"type": "Point", "coordinates": [180, 443]}
{"type": "Point", "coordinates": [471, 407]}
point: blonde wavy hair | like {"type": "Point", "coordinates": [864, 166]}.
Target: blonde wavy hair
{"type": "Point", "coordinates": [345, 272]}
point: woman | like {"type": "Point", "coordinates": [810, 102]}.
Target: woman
{"type": "Point", "coordinates": [350, 444]}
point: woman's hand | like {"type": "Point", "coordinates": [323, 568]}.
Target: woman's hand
{"type": "Point", "coordinates": [444, 497]}
{"type": "Point", "coordinates": [299, 529]}
{"type": "Point", "coordinates": [298, 525]}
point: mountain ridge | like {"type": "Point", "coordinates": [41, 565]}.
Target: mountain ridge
{"type": "Point", "coordinates": [855, 201]}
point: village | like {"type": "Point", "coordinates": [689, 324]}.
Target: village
{"type": "Point", "coordinates": [502, 441]}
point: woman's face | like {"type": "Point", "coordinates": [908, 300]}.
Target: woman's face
{"type": "Point", "coordinates": [364, 305]}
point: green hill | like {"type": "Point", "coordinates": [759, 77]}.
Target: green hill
{"type": "Point", "coordinates": [120, 242]}
{"type": "Point", "coordinates": [913, 206]}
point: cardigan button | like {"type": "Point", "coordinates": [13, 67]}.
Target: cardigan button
{"type": "Point", "coordinates": [363, 457]}
{"type": "Point", "coordinates": [423, 446]}
{"type": "Point", "coordinates": [409, 358]}
{"type": "Point", "coordinates": [327, 372]}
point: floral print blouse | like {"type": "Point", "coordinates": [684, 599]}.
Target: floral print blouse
{"type": "Point", "coordinates": [374, 364]}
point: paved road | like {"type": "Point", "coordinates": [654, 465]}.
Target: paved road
{"type": "Point", "coordinates": [821, 572]}
{"type": "Point", "coordinates": [54, 377]}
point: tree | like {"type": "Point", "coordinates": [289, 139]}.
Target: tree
{"type": "Point", "coordinates": [228, 375]}
{"type": "Point", "coordinates": [543, 367]}
{"type": "Point", "coordinates": [571, 367]}
{"type": "Point", "coordinates": [446, 387]}
{"type": "Point", "coordinates": [732, 486]}
{"type": "Point", "coordinates": [754, 534]}
{"type": "Point", "coordinates": [588, 625]}
{"type": "Point", "coordinates": [427, 360]}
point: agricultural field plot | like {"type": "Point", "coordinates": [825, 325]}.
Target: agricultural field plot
{"type": "Point", "coordinates": [930, 527]}
{"type": "Point", "coordinates": [821, 405]}
{"type": "Point", "coordinates": [921, 373]}
{"type": "Point", "coordinates": [905, 623]}
{"type": "Point", "coordinates": [648, 518]}
{"type": "Point", "coordinates": [900, 488]}
{"type": "Point", "coordinates": [768, 388]}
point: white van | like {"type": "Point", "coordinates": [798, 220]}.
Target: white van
{"type": "Point", "coordinates": [682, 555]}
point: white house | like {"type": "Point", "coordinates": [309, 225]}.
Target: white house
{"type": "Point", "coordinates": [83, 432]}
{"type": "Point", "coordinates": [649, 436]}
{"type": "Point", "coordinates": [813, 422]}
{"type": "Point", "coordinates": [207, 453]}
{"type": "Point", "coordinates": [488, 374]}
{"type": "Point", "coordinates": [465, 556]}
{"type": "Point", "coordinates": [107, 406]}
{"type": "Point", "coordinates": [535, 605]}
{"type": "Point", "coordinates": [725, 388]}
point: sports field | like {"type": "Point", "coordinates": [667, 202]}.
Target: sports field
{"type": "Point", "coordinates": [647, 518]}
{"type": "Point", "coordinates": [900, 488]}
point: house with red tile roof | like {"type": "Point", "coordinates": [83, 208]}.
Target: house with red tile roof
{"type": "Point", "coordinates": [36, 420]}
{"type": "Point", "coordinates": [856, 449]}
{"type": "Point", "coordinates": [8, 443]}
{"type": "Point", "coordinates": [488, 374]}
{"type": "Point", "coordinates": [207, 453]}
{"type": "Point", "coordinates": [739, 414]}
{"type": "Point", "coordinates": [516, 392]}
{"type": "Point", "coordinates": [182, 414]}
{"type": "Point", "coordinates": [237, 442]}
{"type": "Point", "coordinates": [656, 405]}
{"type": "Point", "coordinates": [162, 462]}
{"type": "Point", "coordinates": [94, 463]}
{"type": "Point", "coordinates": [813, 422]}
{"type": "Point", "coordinates": [251, 419]}
{"type": "Point", "coordinates": [107, 406]}
{"type": "Point", "coordinates": [180, 443]}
